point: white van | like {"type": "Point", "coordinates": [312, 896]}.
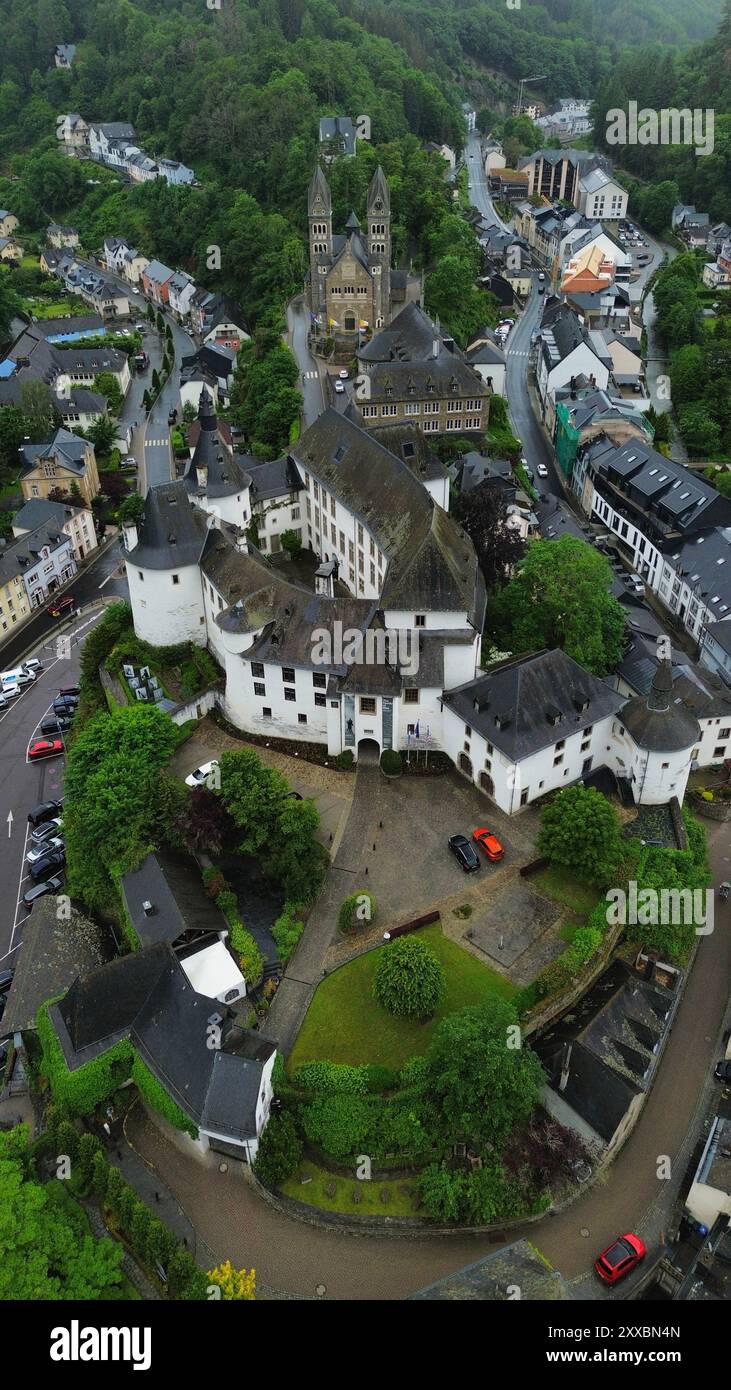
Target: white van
{"type": "Point", "coordinates": [17, 677]}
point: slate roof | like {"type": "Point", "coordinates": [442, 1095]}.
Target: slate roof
{"type": "Point", "coordinates": [408, 338]}
{"type": "Point", "coordinates": [66, 448]}
{"type": "Point", "coordinates": [721, 633]}
{"type": "Point", "coordinates": [172, 534]}
{"type": "Point", "coordinates": [101, 1005]}
{"type": "Point", "coordinates": [705, 562]}
{"type": "Point", "coordinates": [158, 272]}
{"type": "Point", "coordinates": [54, 953]}
{"type": "Point", "coordinates": [22, 555]}
{"type": "Point", "coordinates": [412, 446]}
{"type": "Point", "coordinates": [676, 500]}
{"type": "Point", "coordinates": [273, 479]}
{"type": "Point", "coordinates": [659, 722]}
{"type": "Point", "coordinates": [82, 402]}
{"type": "Point", "coordinates": [486, 354]}
{"type": "Point", "coordinates": [172, 885]}
{"type": "Point", "coordinates": [432, 562]}
{"type": "Point", "coordinates": [342, 126]}
{"type": "Point", "coordinates": [225, 475]}
{"type": "Point", "coordinates": [518, 1265]}
{"type": "Point", "coordinates": [522, 692]}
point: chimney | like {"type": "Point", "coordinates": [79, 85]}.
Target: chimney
{"type": "Point", "coordinates": [201, 474]}
{"type": "Point", "coordinates": [147, 908]}
{"type": "Point", "coordinates": [129, 532]}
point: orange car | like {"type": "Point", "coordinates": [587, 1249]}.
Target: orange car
{"type": "Point", "coordinates": [489, 844]}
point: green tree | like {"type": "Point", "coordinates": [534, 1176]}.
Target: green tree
{"type": "Point", "coordinates": [291, 542]}
{"type": "Point", "coordinates": [560, 598]}
{"type": "Point", "coordinates": [106, 384]}
{"type": "Point", "coordinates": [102, 434]}
{"type": "Point", "coordinates": [280, 1150]}
{"type": "Point", "coordinates": [41, 417]}
{"type": "Point", "coordinates": [580, 830]}
{"type": "Point", "coordinates": [409, 980]}
{"type": "Point", "coordinates": [132, 509]}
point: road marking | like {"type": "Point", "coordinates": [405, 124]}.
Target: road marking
{"type": "Point", "coordinates": [106, 581]}
{"type": "Point", "coordinates": [156, 443]}
{"type": "Point", "coordinates": [310, 376]}
{"type": "Point", "coordinates": [23, 876]}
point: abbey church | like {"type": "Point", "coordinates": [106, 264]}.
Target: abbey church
{"type": "Point", "coordinates": [352, 290]}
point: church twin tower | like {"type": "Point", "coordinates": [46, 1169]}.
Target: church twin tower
{"type": "Point", "coordinates": [349, 288]}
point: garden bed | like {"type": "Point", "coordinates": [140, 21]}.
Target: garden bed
{"type": "Point", "coordinates": [294, 748]}
{"type": "Point", "coordinates": [333, 1192]}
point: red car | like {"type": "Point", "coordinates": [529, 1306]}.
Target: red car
{"type": "Point", "coordinates": [620, 1258]}
{"type": "Point", "coordinates": [45, 748]}
{"type": "Point", "coordinates": [489, 844]}
{"type": "Point", "coordinates": [62, 605]}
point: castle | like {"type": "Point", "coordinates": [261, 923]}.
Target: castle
{"type": "Point", "coordinates": [351, 287]}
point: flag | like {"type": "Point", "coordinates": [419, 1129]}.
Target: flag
{"type": "Point", "coordinates": [362, 323]}
{"type": "Point", "coordinates": [333, 323]}
{"type": "Point", "coordinates": [416, 730]}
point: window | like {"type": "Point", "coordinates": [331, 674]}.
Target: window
{"type": "Point", "coordinates": [373, 574]}
{"type": "Point", "coordinates": [720, 752]}
{"type": "Point", "coordinates": [141, 576]}
{"type": "Point", "coordinates": [724, 733]}
{"type": "Point", "coordinates": [411, 696]}
{"type": "Point", "coordinates": [665, 765]}
{"type": "Point", "coordinates": [467, 731]}
{"type": "Point", "coordinates": [257, 669]}
{"type": "Point", "coordinates": [561, 744]}
{"type": "Point", "coordinates": [266, 713]}
{"type": "Point", "coordinates": [320, 701]}
{"type": "Point", "coordinates": [319, 680]}
{"type": "Point", "coordinates": [420, 620]}
{"type": "Point", "coordinates": [176, 579]}
{"type": "Point", "coordinates": [301, 718]}
{"type": "Point", "coordinates": [288, 674]}
{"type": "Point", "coordinates": [289, 694]}
{"type": "Point", "coordinates": [367, 705]}
{"type": "Point", "coordinates": [295, 513]}
{"type": "Point", "coordinates": [557, 761]}
{"type": "Point", "coordinates": [259, 689]}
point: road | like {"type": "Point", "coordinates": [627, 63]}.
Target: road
{"type": "Point", "coordinates": [24, 784]}
{"type": "Point", "coordinates": [103, 578]}
{"type": "Point", "coordinates": [479, 191]}
{"type": "Point", "coordinates": [298, 323]}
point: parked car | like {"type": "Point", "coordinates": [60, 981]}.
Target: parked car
{"type": "Point", "coordinates": [44, 849]}
{"type": "Point", "coordinates": [172, 416]}
{"type": "Point", "coordinates": [198, 778]}
{"type": "Point", "coordinates": [39, 890]}
{"type": "Point", "coordinates": [71, 690]}
{"type": "Point", "coordinates": [343, 373]}
{"type": "Point", "coordinates": [722, 1071]}
{"type": "Point", "coordinates": [45, 748]}
{"type": "Point", "coordinates": [55, 726]}
{"type": "Point", "coordinates": [47, 831]}
{"type": "Point", "coordinates": [50, 864]}
{"type": "Point", "coordinates": [542, 470]}
{"type": "Point", "coordinates": [620, 1258]}
{"type": "Point", "coordinates": [16, 680]}
{"type": "Point", "coordinates": [65, 705]}
{"type": "Point", "coordinates": [34, 665]}
{"type": "Point", "coordinates": [4, 702]}
{"type": "Point", "coordinates": [463, 853]}
{"type": "Point", "coordinates": [489, 843]}
{"type": "Point", "coordinates": [129, 462]}
{"type": "Point", "coordinates": [45, 810]}
{"type": "Point", "coordinates": [62, 606]}
{"type": "Point", "coordinates": [339, 387]}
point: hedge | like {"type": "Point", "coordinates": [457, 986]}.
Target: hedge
{"type": "Point", "coordinates": [352, 910]}
{"type": "Point", "coordinates": [152, 1090]}
{"type": "Point", "coordinates": [81, 1090]}
{"type": "Point", "coordinates": [287, 931]}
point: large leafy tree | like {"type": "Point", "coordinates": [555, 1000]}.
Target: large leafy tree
{"type": "Point", "coordinates": [484, 516]}
{"type": "Point", "coordinates": [480, 1083]}
{"type": "Point", "coordinates": [580, 831]}
{"type": "Point", "coordinates": [409, 980]}
{"type": "Point", "coordinates": [560, 598]}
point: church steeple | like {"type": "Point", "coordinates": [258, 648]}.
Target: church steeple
{"type": "Point", "coordinates": [379, 245]}
{"type": "Point", "coordinates": [319, 212]}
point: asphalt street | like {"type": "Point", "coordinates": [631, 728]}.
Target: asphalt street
{"type": "Point", "coordinates": [310, 385]}
{"type": "Point", "coordinates": [103, 578]}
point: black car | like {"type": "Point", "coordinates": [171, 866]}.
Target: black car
{"type": "Point", "coordinates": [74, 690]}
{"type": "Point", "coordinates": [47, 864]}
{"type": "Point", "coordinates": [722, 1071]}
{"type": "Point", "coordinates": [65, 705]}
{"type": "Point", "coordinates": [47, 810]}
{"type": "Point", "coordinates": [51, 885]}
{"type": "Point", "coordinates": [464, 853]}
{"type": "Point", "coordinates": [172, 416]}
{"type": "Point", "coordinates": [6, 980]}
{"type": "Point", "coordinates": [55, 726]}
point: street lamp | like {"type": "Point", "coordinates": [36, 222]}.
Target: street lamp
{"type": "Point", "coordinates": [540, 78]}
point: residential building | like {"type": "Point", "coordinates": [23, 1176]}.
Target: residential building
{"type": "Point", "coordinates": [10, 249]}
{"type": "Point", "coordinates": [107, 141]}
{"type": "Point", "coordinates": [156, 279]}
{"type": "Point", "coordinates": [417, 374]}
{"type": "Point", "coordinates": [73, 131]}
{"type": "Point", "coordinates": [46, 351]}
{"type": "Point", "coordinates": [65, 462]}
{"type": "Point", "coordinates": [337, 137]}
{"type": "Point", "coordinates": [716, 648]}
{"type": "Point", "coordinates": [103, 294]}
{"type": "Point", "coordinates": [601, 197]}
{"type": "Point", "coordinates": [489, 361]}
{"type": "Point", "coordinates": [63, 55]}
{"type": "Point", "coordinates": [568, 353]}
{"type": "Point", "coordinates": [181, 289]}
{"type": "Point", "coordinates": [124, 259]}
{"type": "Point", "coordinates": [76, 521]}
{"type": "Point", "coordinates": [557, 174]}
{"type": "Point", "coordinates": [62, 237]}
{"type": "Point", "coordinates": [583, 414]}
{"type": "Point", "coordinates": [692, 226]}
{"type": "Point", "coordinates": [42, 560]}
{"type": "Point", "coordinates": [174, 172]}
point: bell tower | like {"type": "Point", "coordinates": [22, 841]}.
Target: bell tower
{"type": "Point", "coordinates": [379, 247]}
{"type": "Point", "coordinates": [319, 213]}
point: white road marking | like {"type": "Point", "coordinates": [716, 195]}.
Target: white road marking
{"type": "Point", "coordinates": [21, 880]}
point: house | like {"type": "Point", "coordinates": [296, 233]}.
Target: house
{"type": "Point", "coordinates": [8, 222]}
{"type": "Point", "coordinates": [140, 166]}
{"type": "Point", "coordinates": [65, 461]}
{"type": "Point", "coordinates": [181, 289]}
{"type": "Point", "coordinates": [107, 298]}
{"type": "Point", "coordinates": [692, 226]}
{"type": "Point", "coordinates": [509, 185]}
{"type": "Point", "coordinates": [567, 352]}
{"type": "Point", "coordinates": [146, 997]}
{"type": "Point", "coordinates": [63, 55]}
{"type": "Point", "coordinates": [673, 526]}
{"type": "Point", "coordinates": [216, 363]}
{"type": "Point", "coordinates": [445, 152]}
{"type": "Point", "coordinates": [337, 137]}
{"type": "Point", "coordinates": [43, 560]}
{"type": "Point", "coordinates": [495, 1278]}
{"type": "Point", "coordinates": [492, 156]}
{"type": "Point", "coordinates": [489, 361]}
{"type": "Point", "coordinates": [10, 249]}
{"type": "Point", "coordinates": [107, 141]}
{"type": "Point", "coordinates": [46, 351]}
{"type": "Point", "coordinates": [174, 172]}
{"type": "Point", "coordinates": [77, 522]}
{"type": "Point", "coordinates": [710, 1191]}
{"type": "Point", "coordinates": [350, 286]}
{"type": "Point", "coordinates": [602, 1057]}
{"type": "Point", "coordinates": [81, 409]}
{"type": "Point", "coordinates": [583, 414]}
{"type": "Point", "coordinates": [416, 373]}
{"type": "Point", "coordinates": [601, 197]}
{"type": "Point", "coordinates": [582, 235]}
{"type": "Point", "coordinates": [62, 237]}
{"type": "Point", "coordinates": [557, 174]}
{"type": "Point", "coordinates": [73, 131]}
{"type": "Point", "coordinates": [61, 947]}
{"type": "Point", "coordinates": [716, 648]}
{"type": "Point", "coordinates": [156, 279]}
{"type": "Point", "coordinates": [569, 119]}
{"type": "Point", "coordinates": [124, 259]}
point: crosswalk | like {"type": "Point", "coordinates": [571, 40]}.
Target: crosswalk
{"type": "Point", "coordinates": [157, 443]}
{"type": "Point", "coordinates": [518, 352]}
{"type": "Point", "coordinates": [310, 376]}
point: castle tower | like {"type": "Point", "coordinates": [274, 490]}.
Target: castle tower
{"type": "Point", "coordinates": [319, 213]}
{"type": "Point", "coordinates": [659, 733]}
{"type": "Point", "coordinates": [379, 246]}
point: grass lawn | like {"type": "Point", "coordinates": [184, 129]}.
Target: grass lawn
{"type": "Point", "coordinates": [345, 1024]}
{"type": "Point", "coordinates": [400, 1192]}
{"type": "Point", "coordinates": [578, 897]}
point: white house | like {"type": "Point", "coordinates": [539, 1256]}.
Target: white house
{"type": "Point", "coordinates": [600, 196]}
{"type": "Point", "coordinates": [76, 522]}
{"type": "Point", "coordinates": [489, 361]}
{"type": "Point", "coordinates": [181, 289]}
{"type": "Point", "coordinates": [43, 558]}
{"type": "Point", "coordinates": [567, 351]}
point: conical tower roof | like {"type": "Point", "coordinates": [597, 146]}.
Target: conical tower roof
{"type": "Point", "coordinates": [378, 192]}
{"type": "Point", "coordinates": [319, 193]}
{"type": "Point", "coordinates": [352, 224]}
{"type": "Point", "coordinates": [657, 721]}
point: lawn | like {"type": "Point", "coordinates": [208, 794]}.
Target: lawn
{"type": "Point", "coordinates": [578, 897]}
{"type": "Point", "coordinates": [334, 1193]}
{"type": "Point", "coordinates": [55, 308]}
{"type": "Point", "coordinates": [345, 1024]}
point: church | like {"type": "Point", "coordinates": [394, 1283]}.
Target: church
{"type": "Point", "coordinates": [352, 291]}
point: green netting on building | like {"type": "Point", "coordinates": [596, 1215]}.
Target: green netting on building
{"type": "Point", "coordinates": [567, 441]}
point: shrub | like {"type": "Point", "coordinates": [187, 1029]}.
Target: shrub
{"type": "Point", "coordinates": [360, 907]}
{"type": "Point", "coordinates": [149, 1086]}
{"type": "Point", "coordinates": [379, 1079]}
{"type": "Point", "coordinates": [344, 761]}
{"type": "Point", "coordinates": [215, 885]}
{"type": "Point", "coordinates": [331, 1077]}
{"type": "Point", "coordinates": [280, 1150]}
{"type": "Point", "coordinates": [391, 762]}
{"type": "Point", "coordinates": [339, 1124]}
{"type": "Point", "coordinates": [409, 980]}
{"type": "Point", "coordinates": [250, 957]}
{"type": "Point", "coordinates": [287, 931]}
{"type": "Point", "coordinates": [413, 1072]}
